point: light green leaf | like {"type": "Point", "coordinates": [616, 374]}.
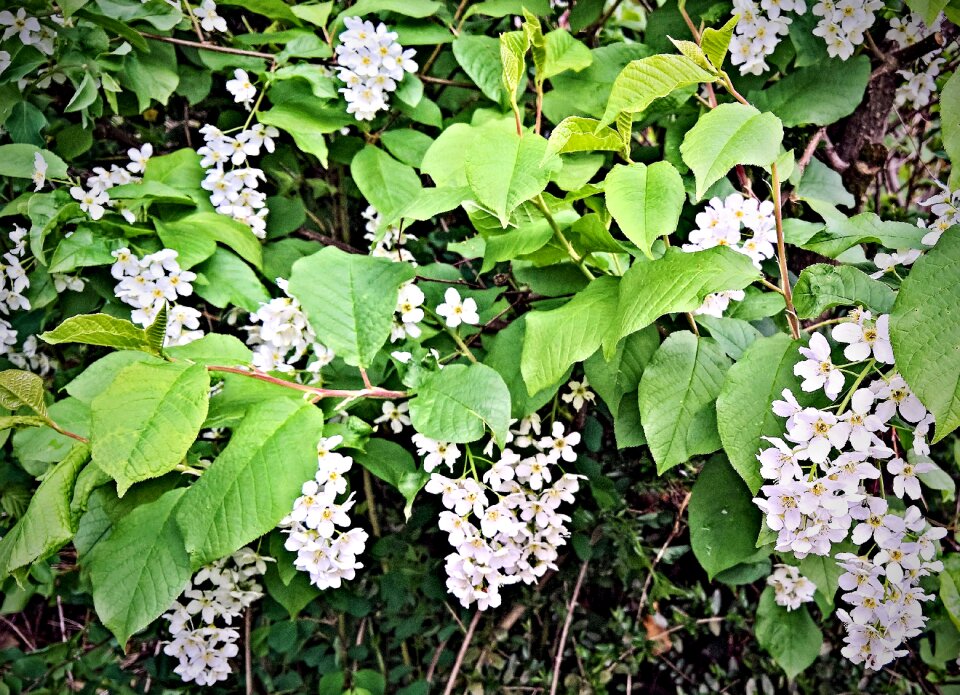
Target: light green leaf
{"type": "Point", "coordinates": [411, 8]}
{"type": "Point", "coordinates": [733, 335]}
{"type": "Point", "coordinates": [230, 281]}
{"type": "Point", "coordinates": [9, 422]}
{"type": "Point", "coordinates": [744, 415]}
{"type": "Point", "coordinates": [563, 52]}
{"type": "Point", "coordinates": [82, 249]}
{"type": "Point", "coordinates": [19, 388]}
{"type": "Point", "coordinates": [459, 403]}
{"type": "Point", "coordinates": [577, 134]}
{"type": "Point", "coordinates": [144, 422]}
{"type": "Point", "coordinates": [617, 380]}
{"type": "Point", "coordinates": [316, 14]}
{"type": "Point", "coordinates": [716, 42]}
{"type": "Point", "coordinates": [47, 524]}
{"type": "Point", "coordinates": [821, 287]}
{"type": "Point", "coordinates": [731, 134]}
{"type": "Point", "coordinates": [676, 282]}
{"type": "Point", "coordinates": [648, 79]}
{"type": "Point", "coordinates": [349, 300]}
{"type": "Point", "coordinates": [306, 124]}
{"type": "Point", "coordinates": [819, 95]}
{"type": "Point", "coordinates": [479, 56]}
{"type": "Point", "coordinates": [252, 484]}
{"type": "Point", "coordinates": [274, 9]}
{"type": "Point", "coordinates": [513, 47]}
{"type": "Point", "coordinates": [99, 375]}
{"type": "Point", "coordinates": [925, 332]}
{"type": "Point", "coordinates": [843, 232]}
{"type": "Point", "coordinates": [220, 228]}
{"type": "Point", "coordinates": [645, 201]}
{"type": "Point", "coordinates": [791, 637]}
{"type": "Point", "coordinates": [504, 353]}
{"type": "Point", "coordinates": [212, 349]}
{"type": "Point", "coordinates": [100, 329]}
{"type": "Point", "coordinates": [950, 124]}
{"type": "Point", "coordinates": [928, 9]}
{"type": "Point", "coordinates": [505, 170]}
{"type": "Point", "coordinates": [18, 161]}
{"type": "Point", "coordinates": [724, 521]}
{"type": "Point", "coordinates": [821, 183]}
{"type": "Point", "coordinates": [677, 393]}
{"type": "Point", "coordinates": [151, 75]}
{"type": "Point", "coordinates": [140, 569]}
{"type": "Point", "coordinates": [387, 184]}
{"type": "Point", "coordinates": [558, 338]}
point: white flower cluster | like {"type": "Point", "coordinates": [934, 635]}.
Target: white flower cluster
{"type": "Point", "coordinates": [28, 31]}
{"type": "Point", "coordinates": [759, 30]}
{"type": "Point", "coordinates": [722, 223]}
{"type": "Point", "coordinates": [200, 622]}
{"type": "Point", "coordinates": [392, 242]}
{"type": "Point", "coordinates": [327, 553]}
{"type": "Point", "coordinates": [29, 357]}
{"type": "Point", "coordinates": [94, 199]}
{"type": "Point", "coordinates": [946, 206]}
{"type": "Point", "coordinates": [371, 63]}
{"type": "Point", "coordinates": [149, 282]}
{"type": "Point", "coordinates": [790, 588]}
{"type": "Point", "coordinates": [234, 192]}
{"type": "Point", "coordinates": [515, 538]}
{"type": "Point", "coordinates": [13, 283]}
{"type": "Point", "coordinates": [920, 85]}
{"type": "Point", "coordinates": [828, 485]}
{"type": "Point", "coordinates": [281, 336]}
{"type": "Point", "coordinates": [408, 314]}
{"type": "Point", "coordinates": [843, 25]}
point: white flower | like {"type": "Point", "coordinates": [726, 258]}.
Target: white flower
{"type": "Point", "coordinates": [905, 481]}
{"type": "Point", "coordinates": [887, 262]}
{"type": "Point", "coordinates": [241, 88]}
{"type": "Point", "coordinates": [209, 19]}
{"type": "Point", "coordinates": [818, 370]}
{"type": "Point", "coordinates": [579, 394]}
{"type": "Point", "coordinates": [791, 589]}
{"type": "Point", "coordinates": [394, 415]}
{"type": "Point", "coordinates": [39, 171]}
{"type": "Point", "coordinates": [90, 202]}
{"type": "Point", "coordinates": [139, 158]}
{"type": "Point", "coordinates": [560, 445]}
{"type": "Point", "coordinates": [456, 311]}
{"type": "Point", "coordinates": [435, 452]}
{"type": "Point", "coordinates": [864, 336]}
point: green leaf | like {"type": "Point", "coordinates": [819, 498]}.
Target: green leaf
{"type": "Point", "coordinates": [731, 134]}
{"type": "Point", "coordinates": [950, 587]}
{"type": "Point", "coordinates": [677, 393]}
{"type": "Point", "coordinates": [505, 170]}
{"type": "Point", "coordinates": [821, 287]}
{"type": "Point", "coordinates": [140, 569]}
{"type": "Point", "coordinates": [252, 484]}
{"type": "Point", "coordinates": [950, 123]}
{"type": "Point", "coordinates": [316, 14]}
{"type": "Point", "coordinates": [394, 465]}
{"type": "Point", "coordinates": [146, 420]}
{"type": "Point", "coordinates": [821, 183]}
{"type": "Point", "coordinates": [791, 637]}
{"type": "Point", "coordinates": [349, 300]}
{"type": "Point", "coordinates": [411, 8]}
{"type": "Point", "coordinates": [504, 353]}
{"type": "Point", "coordinates": [577, 134]}
{"type": "Point", "coordinates": [293, 596]}
{"type": "Point", "coordinates": [645, 201]}
{"type": "Point", "coordinates": [459, 403]}
{"type": "Point", "coordinates": [819, 95]}
{"type": "Point", "coordinates": [151, 75]}
{"type": "Point", "coordinates": [925, 332]}
{"type": "Point", "coordinates": [218, 228]}
{"type": "Point", "coordinates": [563, 52]}
{"type": "Point", "coordinates": [676, 282]}
{"type": "Point", "coordinates": [733, 335]}
{"type": "Point", "coordinates": [825, 572]}
{"type": "Point", "coordinates": [9, 422]}
{"type": "Point", "coordinates": [479, 56]}
{"type": "Point", "coordinates": [643, 81]}
{"type": "Point", "coordinates": [274, 9]}
{"type": "Point", "coordinates": [18, 161]}
{"type": "Point", "coordinates": [156, 332]}
{"type": "Point", "coordinates": [47, 524]}
{"type": "Point", "coordinates": [844, 232]}
{"type": "Point", "coordinates": [388, 185]}
{"type": "Point", "coordinates": [82, 249]}
{"type": "Point", "coordinates": [743, 406]}
{"type": "Point", "coordinates": [85, 95]}
{"type": "Point", "coordinates": [724, 521]}
{"type": "Point", "coordinates": [100, 329]}
{"type": "Point", "coordinates": [230, 281]}
{"type": "Point", "coordinates": [212, 349]}
{"type": "Point", "coordinates": [99, 375]}
{"type": "Point", "coordinates": [558, 338]}
{"type": "Point", "coordinates": [928, 9]}
{"type": "Point", "coordinates": [716, 42]}
{"type": "Point", "coordinates": [616, 380]}
{"type": "Point", "coordinates": [306, 123]}
{"type": "Point", "coordinates": [19, 388]}
{"type": "Point", "coordinates": [407, 145]}
{"type": "Point", "coordinates": [513, 47]}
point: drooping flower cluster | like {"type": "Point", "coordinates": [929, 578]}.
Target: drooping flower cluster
{"type": "Point", "coordinates": [233, 191]}
{"type": "Point", "coordinates": [13, 283]}
{"type": "Point", "coordinates": [946, 206]}
{"type": "Point", "coordinates": [843, 24]}
{"type": "Point", "coordinates": [761, 26]}
{"type": "Point", "coordinates": [790, 588]}
{"type": "Point", "coordinates": [391, 242]}
{"type": "Point", "coordinates": [201, 621]}
{"type": "Point", "coordinates": [371, 63]}
{"type": "Point", "coordinates": [723, 223]}
{"type": "Point", "coordinates": [828, 485]}
{"type": "Point", "coordinates": [94, 199]}
{"type": "Point", "coordinates": [148, 283]}
{"type": "Point", "coordinates": [327, 553]}
{"type": "Point", "coordinates": [506, 527]}
{"type": "Point", "coordinates": [282, 336]}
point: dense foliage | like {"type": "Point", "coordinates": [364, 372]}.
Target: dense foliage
{"type": "Point", "coordinates": [408, 346]}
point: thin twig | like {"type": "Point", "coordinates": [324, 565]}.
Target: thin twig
{"type": "Point", "coordinates": [208, 46]}
{"type": "Point", "coordinates": [810, 149]}
{"type": "Point", "coordinates": [26, 640]}
{"type": "Point", "coordinates": [462, 653]}
{"type": "Point", "coordinates": [674, 532]}
{"type": "Point", "coordinates": [321, 392]}
{"type": "Point", "coordinates": [558, 659]}
{"type": "Point", "coordinates": [247, 659]}
{"type": "Point", "coordinates": [448, 83]}
{"type": "Point", "coordinates": [782, 256]}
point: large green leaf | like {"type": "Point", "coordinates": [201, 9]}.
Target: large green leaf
{"type": "Point", "coordinates": [349, 300]}
{"type": "Point", "coordinates": [215, 227]}
{"type": "Point", "coordinates": [459, 403]}
{"type": "Point", "coordinates": [479, 56]}
{"type": "Point", "coordinates": [387, 184]}
{"type": "Point", "coordinates": [151, 74]}
{"type": "Point", "coordinates": [645, 201]}
{"type": "Point", "coordinates": [821, 287]}
{"type": "Point", "coordinates": [140, 569]}
{"type": "Point", "coordinates": [950, 123]}
{"type": "Point", "coordinates": [394, 465]}
{"type": "Point", "coordinates": [578, 134]}
{"type": "Point", "coordinates": [563, 52]}
{"type": "Point", "coordinates": [504, 353]}
{"type": "Point", "coordinates": [505, 170]}
{"type": "Point", "coordinates": [144, 422]}
{"type": "Point", "coordinates": [17, 160]}
{"type": "Point", "coordinates": [307, 124]}
{"type": "Point", "coordinates": [48, 523]}
{"type": "Point", "coordinates": [843, 232]}
{"type": "Point", "coordinates": [925, 332]}
{"type": "Point", "coordinates": [676, 282]}
{"type": "Point", "coordinates": [677, 393]}
{"type": "Point", "coordinates": [230, 281]}
{"type": "Point", "coordinates": [819, 94]}
{"type": "Point", "coordinates": [731, 134]}
{"type": "Point", "coordinates": [19, 388]}
{"type": "Point", "coordinates": [252, 484]}
{"type": "Point", "coordinates": [645, 80]}
{"type": "Point", "coordinates": [743, 406]}
{"type": "Point", "coordinates": [558, 338]}
{"type": "Point", "coordinates": [791, 637]}
{"type": "Point", "coordinates": [617, 379]}
{"type": "Point", "coordinates": [100, 329]}
{"type": "Point", "coordinates": [724, 521]}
